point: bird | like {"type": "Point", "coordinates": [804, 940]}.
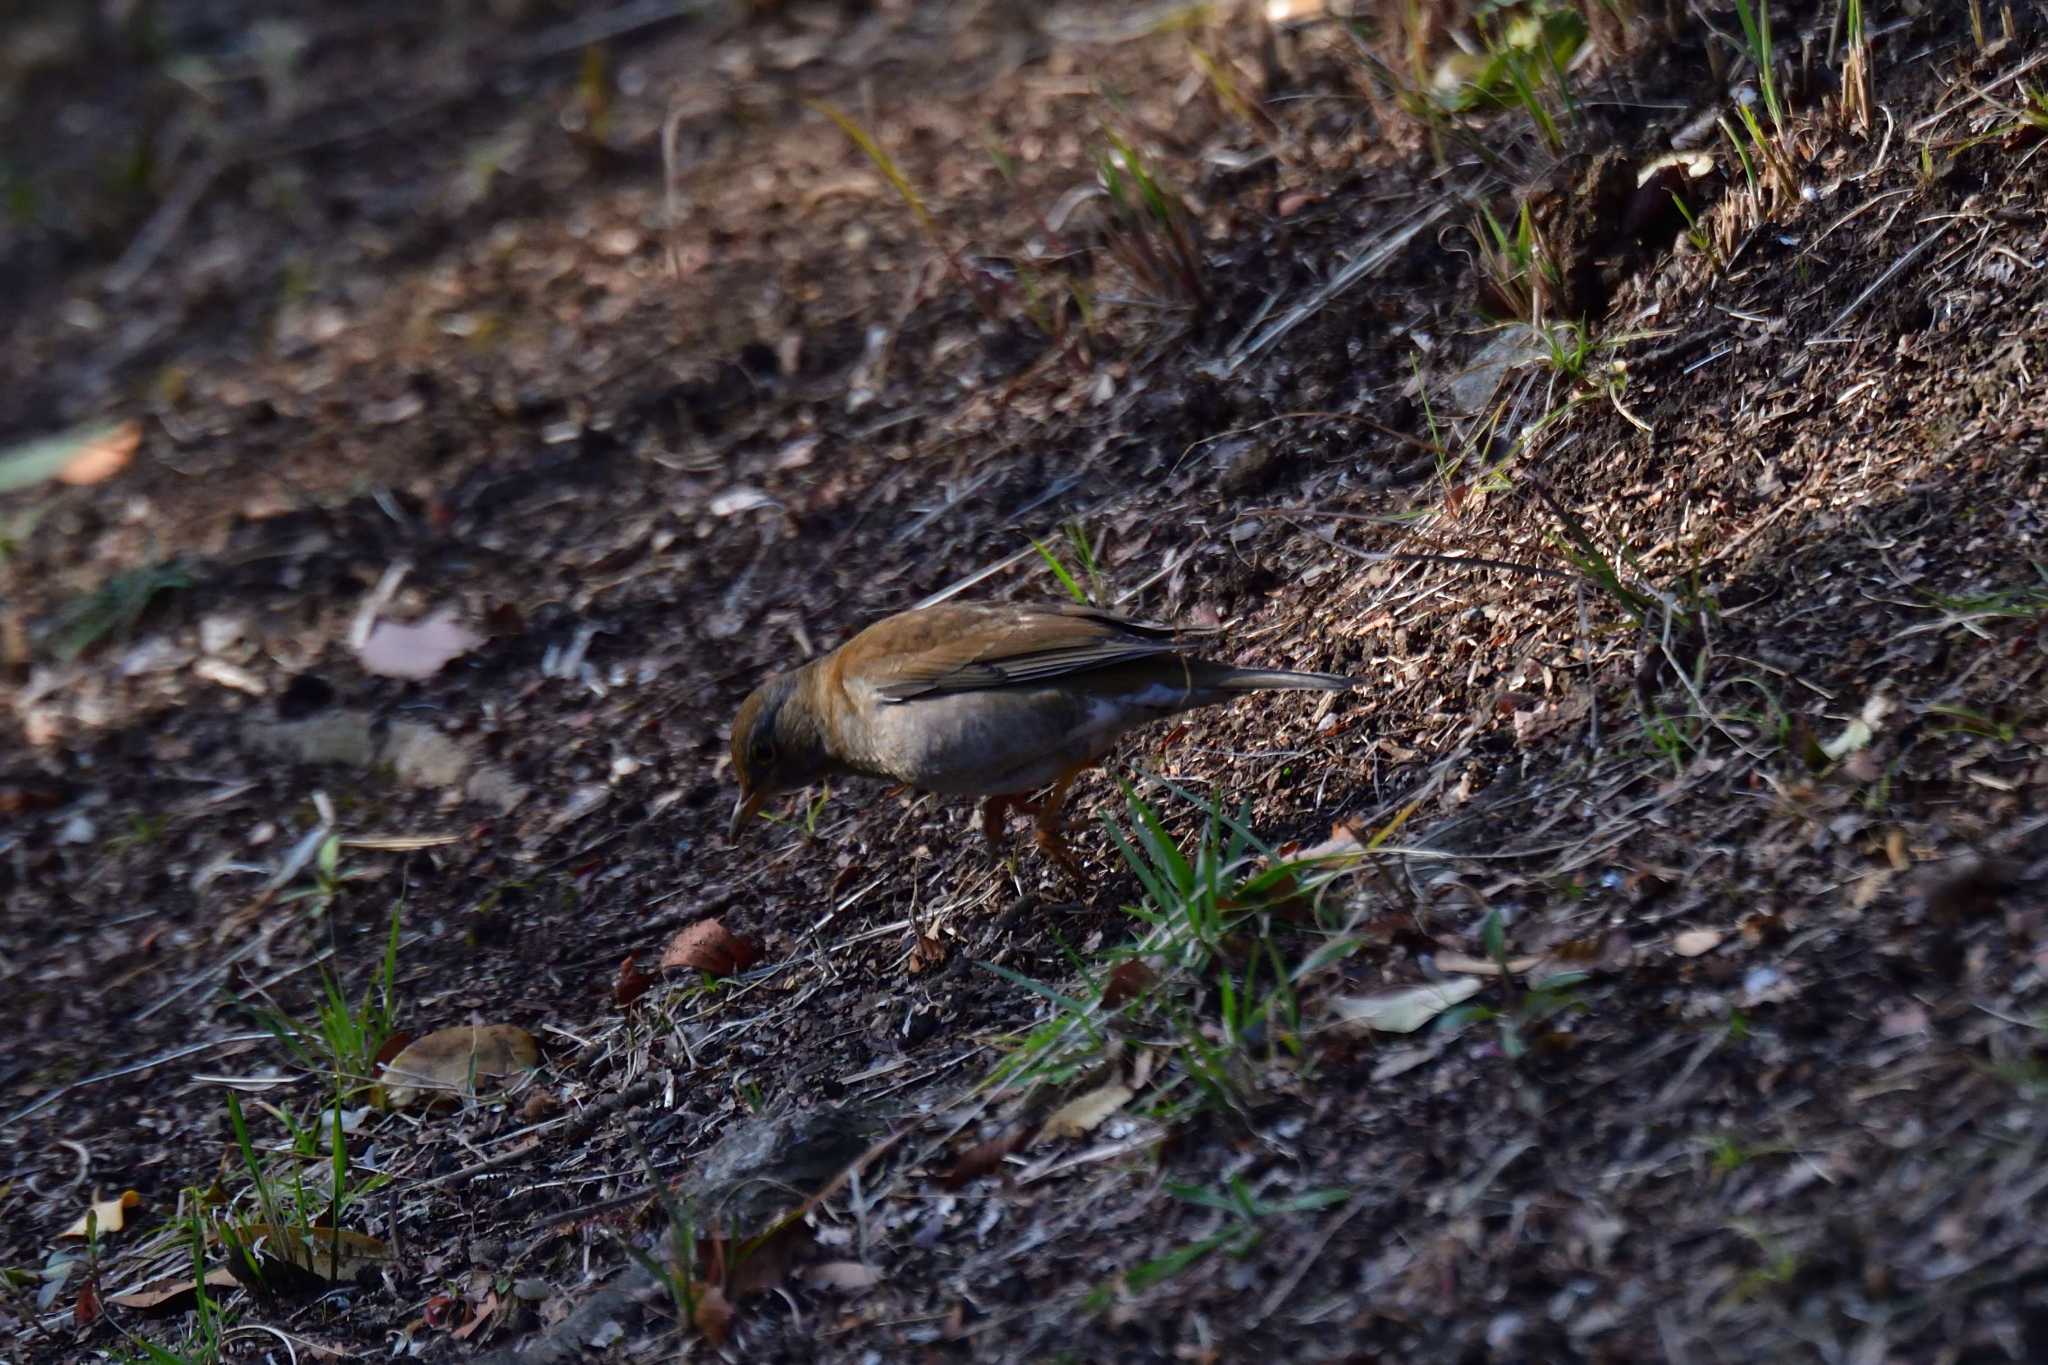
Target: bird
{"type": "Point", "coordinates": [992, 700]}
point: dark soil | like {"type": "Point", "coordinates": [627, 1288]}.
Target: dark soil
{"type": "Point", "coordinates": [1709, 664]}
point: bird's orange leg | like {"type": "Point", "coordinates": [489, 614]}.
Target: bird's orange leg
{"type": "Point", "coordinates": [994, 813]}
{"type": "Point", "coordinates": [1050, 831]}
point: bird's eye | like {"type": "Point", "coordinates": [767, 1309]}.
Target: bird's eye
{"type": "Point", "coordinates": [762, 754]}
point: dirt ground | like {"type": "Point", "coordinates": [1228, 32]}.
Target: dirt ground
{"type": "Point", "coordinates": [1701, 752]}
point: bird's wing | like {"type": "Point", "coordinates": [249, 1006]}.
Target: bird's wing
{"type": "Point", "coordinates": [968, 647]}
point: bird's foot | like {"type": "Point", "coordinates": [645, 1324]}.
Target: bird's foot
{"type": "Point", "coordinates": [995, 816]}
{"type": "Point", "coordinates": [1052, 842]}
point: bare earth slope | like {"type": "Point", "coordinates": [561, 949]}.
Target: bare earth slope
{"type": "Point", "coordinates": [1705, 651]}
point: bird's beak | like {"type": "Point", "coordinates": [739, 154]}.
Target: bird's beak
{"type": "Point", "coordinates": [746, 808]}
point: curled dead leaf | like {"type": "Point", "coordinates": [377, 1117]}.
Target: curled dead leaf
{"type": "Point", "coordinates": [927, 952]}
{"type": "Point", "coordinates": [107, 1215]}
{"type": "Point", "coordinates": [983, 1157]}
{"type": "Point", "coordinates": [1084, 1113]}
{"type": "Point", "coordinates": [707, 946]}
{"type": "Point", "coordinates": [452, 1063]}
{"type": "Point", "coordinates": [632, 983]}
{"type": "Point", "coordinates": [170, 1296]}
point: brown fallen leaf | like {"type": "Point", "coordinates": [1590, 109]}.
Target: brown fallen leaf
{"type": "Point", "coordinates": [483, 1314]}
{"type": "Point", "coordinates": [632, 983]}
{"type": "Point", "coordinates": [290, 1257]}
{"type": "Point", "coordinates": [450, 1063]}
{"type": "Point", "coordinates": [1128, 980]}
{"type": "Point", "coordinates": [707, 946]}
{"type": "Point", "coordinates": [108, 1215]}
{"type": "Point", "coordinates": [927, 952]}
{"type": "Point", "coordinates": [982, 1157]}
{"type": "Point", "coordinates": [22, 794]}
{"type": "Point", "coordinates": [173, 1295]}
{"type": "Point", "coordinates": [1084, 1113]}
{"type": "Point", "coordinates": [104, 454]}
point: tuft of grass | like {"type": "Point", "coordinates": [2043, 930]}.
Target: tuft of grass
{"type": "Point", "coordinates": [1087, 565]}
{"type": "Point", "coordinates": [300, 1229]}
{"type": "Point", "coordinates": [114, 609]}
{"type": "Point", "coordinates": [1229, 933]}
{"type": "Point", "coordinates": [301, 1222]}
{"type": "Point", "coordinates": [1148, 228]}
{"type": "Point", "coordinates": [330, 874]}
{"type": "Point", "coordinates": [1856, 102]}
{"type": "Point", "coordinates": [1756, 34]}
{"type": "Point", "coordinates": [1244, 1217]}
{"type": "Point", "coordinates": [919, 211]}
{"type": "Point", "coordinates": [1525, 1008]}
{"type": "Point", "coordinates": [1527, 56]}
{"type": "Point", "coordinates": [344, 1037]}
{"type": "Point", "coordinates": [1701, 239]}
{"type": "Point", "coordinates": [204, 1339]}
{"type": "Point", "coordinates": [808, 821]}
{"type": "Point", "coordinates": [1519, 269]}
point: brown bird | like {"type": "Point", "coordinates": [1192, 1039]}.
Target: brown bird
{"type": "Point", "coordinates": [989, 700]}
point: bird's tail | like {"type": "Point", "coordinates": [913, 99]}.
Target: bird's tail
{"type": "Point", "coordinates": [1260, 679]}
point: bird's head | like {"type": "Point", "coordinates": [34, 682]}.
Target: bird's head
{"type": "Point", "coordinates": [776, 745]}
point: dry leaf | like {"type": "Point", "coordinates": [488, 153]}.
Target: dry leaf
{"type": "Point", "coordinates": [81, 455]}
{"type": "Point", "coordinates": [706, 946]}
{"type": "Point", "coordinates": [740, 498]}
{"type": "Point", "coordinates": [481, 1316]}
{"type": "Point", "coordinates": [449, 1063]}
{"type": "Point", "coordinates": [925, 953]}
{"type": "Point", "coordinates": [1483, 966]}
{"type": "Point", "coordinates": [172, 1295]}
{"type": "Point", "coordinates": [1858, 733]}
{"type": "Point", "coordinates": [328, 1254]}
{"type": "Point", "coordinates": [982, 1157]}
{"type": "Point", "coordinates": [632, 983]}
{"type": "Point", "coordinates": [1695, 942]}
{"type": "Point", "coordinates": [1084, 1113]}
{"type": "Point", "coordinates": [848, 1277]}
{"type": "Point", "coordinates": [108, 1214]}
{"type": "Point", "coordinates": [104, 454]}
{"type": "Point", "coordinates": [1404, 1010]}
{"type": "Point", "coordinates": [419, 650]}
